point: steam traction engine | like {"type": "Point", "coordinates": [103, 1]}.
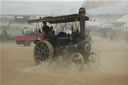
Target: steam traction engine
{"type": "Point", "coordinates": [73, 47]}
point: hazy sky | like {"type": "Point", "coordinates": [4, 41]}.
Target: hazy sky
{"type": "Point", "coordinates": [39, 7]}
{"type": "Point", "coordinates": [58, 7]}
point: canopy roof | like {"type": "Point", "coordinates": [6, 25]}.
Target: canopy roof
{"type": "Point", "coordinates": [59, 19]}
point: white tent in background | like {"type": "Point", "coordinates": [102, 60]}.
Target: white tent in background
{"type": "Point", "coordinates": [99, 24]}
{"type": "Point", "coordinates": [123, 19]}
{"type": "Point", "coordinates": [125, 27]}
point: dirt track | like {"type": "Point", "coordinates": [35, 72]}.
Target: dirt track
{"type": "Point", "coordinates": [18, 67]}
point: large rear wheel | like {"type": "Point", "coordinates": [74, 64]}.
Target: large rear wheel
{"type": "Point", "coordinates": [43, 51]}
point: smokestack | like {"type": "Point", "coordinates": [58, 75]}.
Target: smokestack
{"type": "Point", "coordinates": [82, 13]}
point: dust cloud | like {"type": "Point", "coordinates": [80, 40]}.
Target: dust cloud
{"type": "Point", "coordinates": [113, 59]}
{"type": "Point", "coordinates": [18, 65]}
{"type": "Point", "coordinates": [98, 3]}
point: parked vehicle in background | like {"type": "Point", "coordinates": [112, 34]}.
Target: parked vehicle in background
{"type": "Point", "coordinates": [29, 36]}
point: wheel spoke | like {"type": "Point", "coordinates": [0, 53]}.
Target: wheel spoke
{"type": "Point", "coordinates": [45, 48]}
{"type": "Point", "coordinates": [37, 48]}
{"type": "Point", "coordinates": [46, 53]}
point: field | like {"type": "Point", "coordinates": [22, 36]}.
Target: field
{"type": "Point", "coordinates": [18, 68]}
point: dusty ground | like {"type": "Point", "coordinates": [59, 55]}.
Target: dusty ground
{"type": "Point", "coordinates": [17, 67]}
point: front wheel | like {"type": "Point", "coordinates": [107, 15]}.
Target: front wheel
{"type": "Point", "coordinates": [93, 61]}
{"type": "Point", "coordinates": [77, 61]}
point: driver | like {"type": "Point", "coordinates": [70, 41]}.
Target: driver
{"type": "Point", "coordinates": [45, 28]}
